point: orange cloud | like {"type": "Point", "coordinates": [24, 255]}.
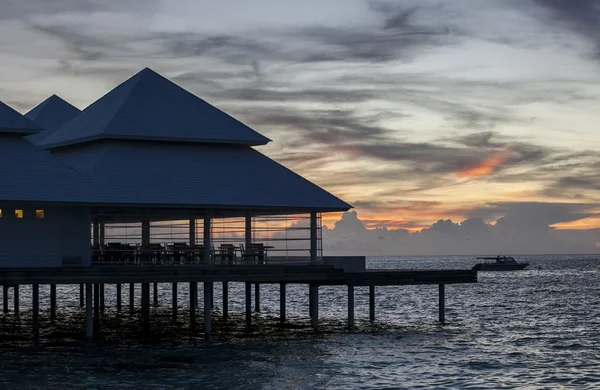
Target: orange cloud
{"type": "Point", "coordinates": [486, 166]}
{"type": "Point", "coordinates": [580, 224]}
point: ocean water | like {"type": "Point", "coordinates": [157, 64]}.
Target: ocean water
{"type": "Point", "coordinates": [538, 329]}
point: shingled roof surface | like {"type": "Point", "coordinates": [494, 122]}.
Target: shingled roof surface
{"type": "Point", "coordinates": [203, 175]}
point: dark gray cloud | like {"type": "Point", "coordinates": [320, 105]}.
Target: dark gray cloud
{"type": "Point", "coordinates": [519, 215]}
{"type": "Point", "coordinates": [11, 9]}
{"type": "Point", "coordinates": [329, 127]}
{"type": "Point", "coordinates": [437, 157]}
{"type": "Point", "coordinates": [581, 16]}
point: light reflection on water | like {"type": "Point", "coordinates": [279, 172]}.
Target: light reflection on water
{"type": "Point", "coordinates": [538, 328]}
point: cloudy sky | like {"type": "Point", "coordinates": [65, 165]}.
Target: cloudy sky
{"type": "Point", "coordinates": [477, 114]}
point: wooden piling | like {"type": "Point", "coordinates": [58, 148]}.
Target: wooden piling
{"type": "Point", "coordinates": [81, 295]}
{"type": "Point", "coordinates": [96, 307]}
{"type": "Point", "coordinates": [155, 293]}
{"type": "Point", "coordinates": [5, 298]}
{"type": "Point", "coordinates": [282, 302]}
{"type": "Point", "coordinates": [16, 298]}
{"type": "Point", "coordinates": [146, 307]}
{"type": "Point", "coordinates": [102, 297]}
{"type": "Point", "coordinates": [52, 302]}
{"type": "Point", "coordinates": [314, 300]}
{"type": "Point", "coordinates": [372, 303]}
{"type": "Point", "coordinates": [248, 304]}
{"type": "Point", "coordinates": [89, 321]}
{"type": "Point", "coordinates": [193, 299]}
{"type": "Point", "coordinates": [442, 304]}
{"type": "Point", "coordinates": [225, 300]}
{"type": "Point", "coordinates": [118, 296]}
{"type": "Point", "coordinates": [350, 306]}
{"type": "Point", "coordinates": [208, 290]}
{"type": "Point", "coordinates": [257, 297]}
{"type": "Point", "coordinates": [35, 294]}
{"type": "Point", "coordinates": [174, 299]}
{"type": "Point", "coordinates": [131, 297]}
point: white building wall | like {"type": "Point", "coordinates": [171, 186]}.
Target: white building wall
{"type": "Point", "coordinates": [63, 234]}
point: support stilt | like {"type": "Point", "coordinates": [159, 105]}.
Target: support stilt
{"type": "Point", "coordinates": [372, 303]}
{"type": "Point", "coordinates": [257, 297]}
{"type": "Point", "coordinates": [35, 294]}
{"type": "Point", "coordinates": [174, 299]}
{"type": "Point", "coordinates": [5, 298]}
{"type": "Point", "coordinates": [155, 294]}
{"type": "Point", "coordinates": [102, 298]}
{"type": "Point", "coordinates": [225, 300]}
{"type": "Point", "coordinates": [282, 303]}
{"type": "Point", "coordinates": [89, 320]}
{"type": "Point", "coordinates": [81, 295]}
{"type": "Point", "coordinates": [119, 297]}
{"type": "Point", "coordinates": [96, 307]}
{"type": "Point", "coordinates": [310, 303]}
{"type": "Point", "coordinates": [193, 299]}
{"type": "Point", "coordinates": [16, 298]}
{"type": "Point", "coordinates": [146, 307]}
{"type": "Point", "coordinates": [248, 304]}
{"type": "Point", "coordinates": [208, 290]}
{"type": "Point", "coordinates": [350, 306]}
{"type": "Point", "coordinates": [314, 305]}
{"type": "Point", "coordinates": [131, 297]}
{"type": "Point", "coordinates": [52, 302]}
{"type": "Point", "coordinates": [442, 304]}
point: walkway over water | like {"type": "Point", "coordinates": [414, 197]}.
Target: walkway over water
{"type": "Point", "coordinates": [277, 273]}
{"type": "Point", "coordinates": [93, 279]}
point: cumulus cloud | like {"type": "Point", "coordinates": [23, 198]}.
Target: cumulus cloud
{"type": "Point", "coordinates": [522, 229]}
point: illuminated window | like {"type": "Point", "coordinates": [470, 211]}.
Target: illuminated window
{"type": "Point", "coordinates": [19, 213]}
{"type": "Point", "coordinates": [39, 214]}
{"type": "Point", "coordinates": [0, 213]}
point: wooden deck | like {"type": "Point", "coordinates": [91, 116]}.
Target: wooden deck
{"type": "Point", "coordinates": [317, 274]}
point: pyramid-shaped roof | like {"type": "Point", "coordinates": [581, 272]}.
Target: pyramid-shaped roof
{"type": "Point", "coordinates": [12, 122]}
{"type": "Point", "coordinates": [150, 107]}
{"type": "Point", "coordinates": [196, 175]}
{"type": "Point", "coordinates": [50, 115]}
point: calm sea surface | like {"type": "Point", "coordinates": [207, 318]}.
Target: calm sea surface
{"type": "Point", "coordinates": [538, 328]}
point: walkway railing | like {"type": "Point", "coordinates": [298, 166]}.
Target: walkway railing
{"type": "Point", "coordinates": [183, 254]}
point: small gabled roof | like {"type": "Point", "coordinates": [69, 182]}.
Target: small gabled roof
{"type": "Point", "coordinates": [150, 107]}
{"type": "Point", "coordinates": [12, 122]}
{"type": "Point", "coordinates": [50, 115]}
{"type": "Point", "coordinates": [196, 175]}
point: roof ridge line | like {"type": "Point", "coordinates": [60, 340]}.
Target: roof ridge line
{"type": "Point", "coordinates": [124, 99]}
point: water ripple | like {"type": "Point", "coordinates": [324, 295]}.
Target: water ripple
{"type": "Point", "coordinates": [535, 329]}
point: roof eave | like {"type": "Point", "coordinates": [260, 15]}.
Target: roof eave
{"type": "Point", "coordinates": [18, 131]}
{"type": "Point", "coordinates": [253, 142]}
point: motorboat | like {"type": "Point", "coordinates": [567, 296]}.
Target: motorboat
{"type": "Point", "coordinates": [499, 263]}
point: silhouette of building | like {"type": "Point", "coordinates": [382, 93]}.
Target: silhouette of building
{"type": "Point", "coordinates": [146, 153]}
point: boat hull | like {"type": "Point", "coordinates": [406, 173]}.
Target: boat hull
{"type": "Point", "coordinates": [500, 267]}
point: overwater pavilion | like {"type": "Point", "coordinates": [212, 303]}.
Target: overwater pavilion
{"type": "Point", "coordinates": [149, 153]}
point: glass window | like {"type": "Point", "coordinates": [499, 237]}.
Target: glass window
{"type": "Point", "coordinates": [19, 213]}
{"type": "Point", "coordinates": [39, 214]}
{"type": "Point", "coordinates": [0, 213]}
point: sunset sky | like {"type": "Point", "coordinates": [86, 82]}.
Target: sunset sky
{"type": "Point", "coordinates": [412, 111]}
